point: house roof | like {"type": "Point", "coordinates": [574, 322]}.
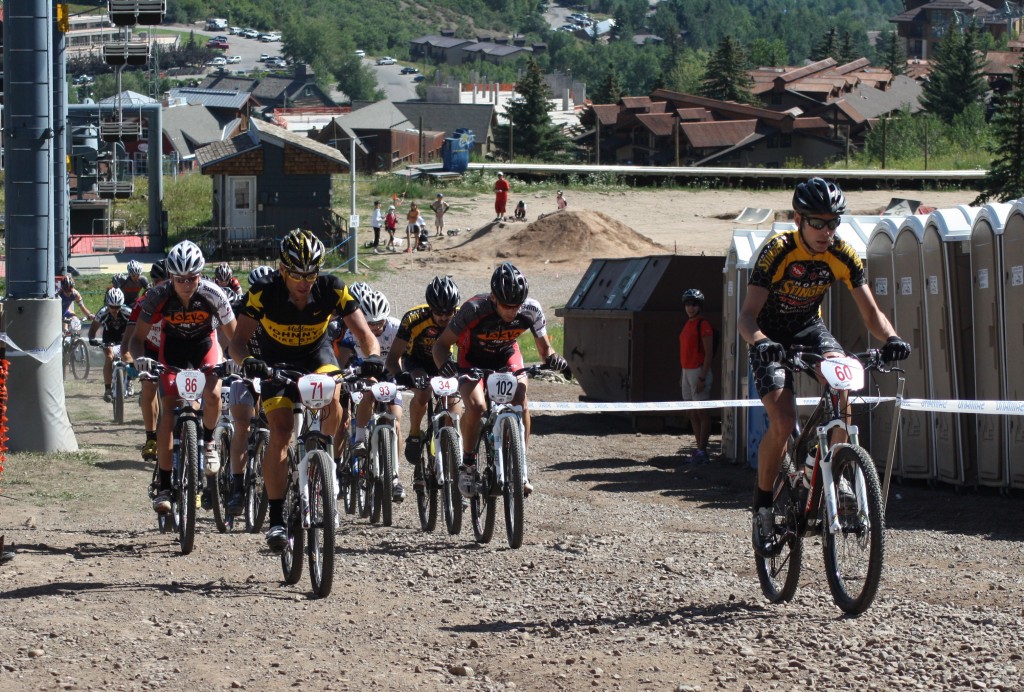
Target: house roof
{"type": "Point", "coordinates": [223, 82]}
{"type": "Point", "coordinates": [448, 117]}
{"type": "Point", "coordinates": [439, 41]}
{"type": "Point", "coordinates": [258, 133]}
{"type": "Point", "coordinates": [1001, 62]}
{"type": "Point", "coordinates": [190, 127]}
{"type": "Point", "coordinates": [970, 7]}
{"type": "Point", "coordinates": [722, 133]}
{"type": "Point", "coordinates": [497, 49]}
{"type": "Point", "coordinates": [636, 102]}
{"type": "Point", "coordinates": [607, 113]}
{"type": "Point", "coordinates": [866, 102]}
{"type": "Point", "coordinates": [128, 98]}
{"type": "Point", "coordinates": [698, 114]}
{"type": "Point", "coordinates": [659, 124]}
{"type": "Point", "coordinates": [379, 115]}
{"type": "Point", "coordinates": [806, 70]}
{"type": "Point", "coordinates": [726, 108]}
{"type": "Point", "coordinates": [213, 98]}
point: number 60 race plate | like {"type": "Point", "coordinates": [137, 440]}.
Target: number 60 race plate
{"type": "Point", "coordinates": [843, 373]}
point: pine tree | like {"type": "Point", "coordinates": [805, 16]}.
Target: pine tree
{"type": "Point", "coordinates": [957, 79]}
{"type": "Point", "coordinates": [829, 47]}
{"type": "Point", "coordinates": [891, 53]}
{"type": "Point", "coordinates": [847, 49]}
{"type": "Point", "coordinates": [533, 134]}
{"type": "Point", "coordinates": [1004, 180]}
{"type": "Point", "coordinates": [726, 78]}
{"type": "Point", "coordinates": [608, 91]}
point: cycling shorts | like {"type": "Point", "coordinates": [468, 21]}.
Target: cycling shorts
{"type": "Point", "coordinates": [278, 395]}
{"type": "Point", "coordinates": [240, 395]}
{"type": "Point", "coordinates": [771, 377]}
{"type": "Point", "coordinates": [412, 365]}
{"type": "Point", "coordinates": [179, 353]}
{"type": "Point", "coordinates": [513, 362]}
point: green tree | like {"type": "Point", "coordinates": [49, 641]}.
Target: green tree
{"type": "Point", "coordinates": [686, 74]}
{"type": "Point", "coordinates": [1004, 179]}
{"type": "Point", "coordinates": [830, 46]}
{"type": "Point", "coordinates": [609, 90]}
{"type": "Point", "coordinates": [766, 52]}
{"type": "Point", "coordinates": [891, 53]}
{"type": "Point", "coordinates": [957, 79]}
{"type": "Point", "coordinates": [847, 49]}
{"type": "Point", "coordinates": [726, 78]}
{"type": "Point", "coordinates": [533, 135]}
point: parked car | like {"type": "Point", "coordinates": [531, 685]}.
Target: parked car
{"type": "Point", "coordinates": [419, 78]}
{"type": "Point", "coordinates": [236, 31]}
{"type": "Point", "coordinates": [270, 37]}
{"type": "Point", "coordinates": [234, 59]}
{"type": "Point", "coordinates": [263, 57]}
{"type": "Point", "coordinates": [387, 60]}
{"type": "Point", "coordinates": [214, 43]}
{"type": "Point", "coordinates": [251, 33]}
{"type": "Point", "coordinates": [217, 62]}
{"type": "Point", "coordinates": [409, 70]}
{"type": "Point", "coordinates": [360, 53]}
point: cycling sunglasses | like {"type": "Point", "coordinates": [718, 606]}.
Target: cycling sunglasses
{"type": "Point", "coordinates": [308, 277]}
{"type": "Point", "coordinates": [819, 224]}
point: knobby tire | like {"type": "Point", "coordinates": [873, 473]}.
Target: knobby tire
{"type": "Point", "coordinates": [513, 454]}
{"type": "Point", "coordinates": [451, 457]}
{"type": "Point", "coordinates": [291, 556]}
{"type": "Point", "coordinates": [118, 394]}
{"type": "Point", "coordinates": [426, 495]}
{"type": "Point", "coordinates": [188, 484]}
{"type": "Point", "coordinates": [323, 500]}
{"type": "Point", "coordinates": [482, 507]}
{"type": "Point", "coordinates": [779, 574]}
{"type": "Point", "coordinates": [79, 359]}
{"type": "Point", "coordinates": [219, 495]}
{"type": "Point", "coordinates": [255, 491]}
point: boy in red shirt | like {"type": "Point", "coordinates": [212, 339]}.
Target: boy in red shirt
{"type": "Point", "coordinates": [696, 344]}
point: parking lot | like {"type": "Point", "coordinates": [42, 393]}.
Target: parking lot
{"type": "Point", "coordinates": [248, 50]}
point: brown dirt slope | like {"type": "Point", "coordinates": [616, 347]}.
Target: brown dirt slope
{"type": "Point", "coordinates": [557, 237]}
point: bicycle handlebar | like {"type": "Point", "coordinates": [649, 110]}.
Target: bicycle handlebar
{"type": "Point", "coordinates": [796, 355]}
{"type": "Point", "coordinates": [529, 371]}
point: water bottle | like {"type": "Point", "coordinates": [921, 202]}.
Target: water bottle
{"type": "Point", "coordinates": [809, 466]}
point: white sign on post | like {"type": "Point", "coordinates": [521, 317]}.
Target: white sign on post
{"type": "Point", "coordinates": [353, 221]}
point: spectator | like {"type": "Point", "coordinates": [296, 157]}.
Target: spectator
{"type": "Point", "coordinates": [376, 221]}
{"type": "Point", "coordinates": [696, 348]}
{"type": "Point", "coordinates": [520, 212]}
{"type": "Point", "coordinates": [501, 190]}
{"type": "Point", "coordinates": [440, 207]}
{"type": "Point", "coordinates": [411, 226]}
{"type": "Point", "coordinates": [390, 225]}
{"type": "Point", "coordinates": [560, 201]}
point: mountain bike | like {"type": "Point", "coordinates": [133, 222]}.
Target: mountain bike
{"type": "Point", "coordinates": [256, 448]}
{"type": "Point", "coordinates": [351, 478]}
{"type": "Point", "coordinates": [310, 506]}
{"type": "Point", "coordinates": [440, 455]}
{"type": "Point", "coordinates": [379, 472]}
{"type": "Point", "coordinates": [120, 383]}
{"type": "Point", "coordinates": [502, 451]}
{"type": "Point", "coordinates": [75, 350]}
{"type": "Point", "coordinates": [220, 485]}
{"type": "Point", "coordinates": [837, 494]}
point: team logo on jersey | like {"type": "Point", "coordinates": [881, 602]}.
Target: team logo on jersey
{"type": "Point", "coordinates": [797, 271]}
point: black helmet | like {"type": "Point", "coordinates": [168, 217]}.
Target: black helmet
{"type": "Point", "coordinates": [509, 285]}
{"type": "Point", "coordinates": [158, 272]}
{"type": "Point", "coordinates": [301, 251]}
{"type": "Point", "coordinates": [819, 196]}
{"type": "Point", "coordinates": [443, 294]}
{"type": "Point", "coordinates": [67, 283]}
{"type": "Point", "coordinates": [693, 294]}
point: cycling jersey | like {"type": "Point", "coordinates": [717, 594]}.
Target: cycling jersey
{"type": "Point", "coordinates": [417, 329]}
{"type": "Point", "coordinates": [155, 330]}
{"type": "Point", "coordinates": [797, 281]}
{"type": "Point", "coordinates": [232, 288]}
{"type": "Point", "coordinates": [487, 341]}
{"type": "Point", "coordinates": [114, 322]}
{"type": "Point", "coordinates": [288, 334]}
{"type": "Point", "coordinates": [132, 288]}
{"type": "Point", "coordinates": [386, 338]}
{"type": "Point", "coordinates": [205, 308]}
{"type": "Point", "coordinates": [67, 301]}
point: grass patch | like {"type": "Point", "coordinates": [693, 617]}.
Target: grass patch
{"type": "Point", "coordinates": [556, 332]}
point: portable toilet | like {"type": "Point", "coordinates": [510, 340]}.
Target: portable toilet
{"type": "Point", "coordinates": [950, 345]}
{"type": "Point", "coordinates": [741, 254]}
{"type": "Point", "coordinates": [912, 324]}
{"type": "Point", "coordinates": [1013, 302]}
{"type": "Point", "coordinates": [879, 267]}
{"type": "Point", "coordinates": [989, 341]}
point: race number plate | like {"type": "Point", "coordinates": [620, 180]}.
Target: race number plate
{"type": "Point", "coordinates": [501, 387]}
{"type": "Point", "coordinates": [316, 391]}
{"type": "Point", "coordinates": [190, 384]}
{"type": "Point", "coordinates": [843, 373]}
{"type": "Point", "coordinates": [384, 391]}
{"type": "Point", "coordinates": [75, 324]}
{"type": "Point", "coordinates": [444, 386]}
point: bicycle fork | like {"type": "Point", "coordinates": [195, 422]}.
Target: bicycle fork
{"type": "Point", "coordinates": [302, 469]}
{"type": "Point", "coordinates": [436, 423]}
{"type": "Point", "coordinates": [828, 486]}
{"type": "Point", "coordinates": [516, 413]}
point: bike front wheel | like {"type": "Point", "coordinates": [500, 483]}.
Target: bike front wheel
{"type": "Point", "coordinates": [255, 491]}
{"type": "Point", "coordinates": [79, 359]}
{"type": "Point", "coordinates": [118, 393]}
{"type": "Point", "coordinates": [291, 556]}
{"type": "Point", "coordinates": [482, 506]}
{"type": "Point", "coordinates": [220, 485]}
{"type": "Point", "coordinates": [854, 554]}
{"type": "Point", "coordinates": [514, 456]}
{"type": "Point", "coordinates": [451, 456]}
{"type": "Point", "coordinates": [188, 484]}
{"type": "Point", "coordinates": [779, 573]}
{"type": "Point", "coordinates": [323, 508]}
{"type": "Point", "coordinates": [381, 506]}
{"type": "Point", "coordinates": [427, 491]}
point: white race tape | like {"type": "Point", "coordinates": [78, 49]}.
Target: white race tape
{"type": "Point", "coordinates": [939, 405]}
{"type": "Point", "coordinates": [43, 355]}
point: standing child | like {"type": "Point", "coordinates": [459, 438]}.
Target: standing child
{"type": "Point", "coordinates": [560, 201]}
{"type": "Point", "coordinates": [440, 207]}
{"type": "Point", "coordinates": [696, 348]}
{"type": "Point", "coordinates": [390, 225]}
{"type": "Point", "coordinates": [411, 230]}
{"type": "Point", "coordinates": [376, 221]}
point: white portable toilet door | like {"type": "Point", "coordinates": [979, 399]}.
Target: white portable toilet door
{"type": "Point", "coordinates": [987, 351]}
{"type": "Point", "coordinates": [880, 279]}
{"type": "Point", "coordinates": [1013, 306]}
{"type": "Point", "coordinates": [241, 207]}
{"type": "Point", "coordinates": [730, 351]}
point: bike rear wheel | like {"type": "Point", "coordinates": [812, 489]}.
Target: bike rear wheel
{"type": "Point", "coordinates": [291, 556]}
{"type": "Point", "coordinates": [514, 459]}
{"type": "Point", "coordinates": [323, 507]}
{"type": "Point", "coordinates": [255, 491]}
{"type": "Point", "coordinates": [482, 506]}
{"type": "Point", "coordinates": [381, 510]}
{"type": "Point", "coordinates": [451, 456]}
{"type": "Point", "coordinates": [220, 485]}
{"type": "Point", "coordinates": [854, 554]}
{"type": "Point", "coordinates": [779, 574]}
{"type": "Point", "coordinates": [188, 484]}
{"type": "Point", "coordinates": [426, 494]}
{"type": "Point", "coordinates": [118, 393]}
{"type": "Point", "coordinates": [79, 359]}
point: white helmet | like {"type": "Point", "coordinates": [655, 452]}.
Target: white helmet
{"type": "Point", "coordinates": [134, 267]}
{"type": "Point", "coordinates": [185, 258]}
{"type": "Point", "coordinates": [114, 298]}
{"type": "Point", "coordinates": [259, 273]}
{"type": "Point", "coordinates": [375, 306]}
{"type": "Point", "coordinates": [358, 289]}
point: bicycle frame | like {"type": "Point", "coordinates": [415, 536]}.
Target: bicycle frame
{"type": "Point", "coordinates": [500, 388]}
{"type": "Point", "coordinates": [444, 390]}
{"type": "Point", "coordinates": [315, 394]}
{"type": "Point", "coordinates": [384, 395]}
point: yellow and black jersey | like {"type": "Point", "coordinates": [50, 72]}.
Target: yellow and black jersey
{"type": "Point", "coordinates": [289, 334]}
{"type": "Point", "coordinates": [419, 331]}
{"type": "Point", "coordinates": [797, 280]}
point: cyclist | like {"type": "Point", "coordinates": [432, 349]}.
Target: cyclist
{"type": "Point", "coordinates": [224, 277]}
{"type": "Point", "coordinates": [412, 354]}
{"type": "Point", "coordinates": [243, 408]}
{"type": "Point", "coordinates": [294, 307]}
{"type": "Point", "coordinates": [134, 284]}
{"type": "Point", "coordinates": [189, 307]}
{"type": "Point", "coordinates": [786, 287]}
{"type": "Point", "coordinates": [486, 329]}
{"type": "Point", "coordinates": [113, 317]}
{"type": "Point", "coordinates": [377, 312]}
{"type": "Point", "coordinates": [69, 297]}
{"type": "Point", "coordinates": [151, 349]}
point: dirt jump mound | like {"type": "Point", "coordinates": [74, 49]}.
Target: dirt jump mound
{"type": "Point", "coordinates": [561, 236]}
